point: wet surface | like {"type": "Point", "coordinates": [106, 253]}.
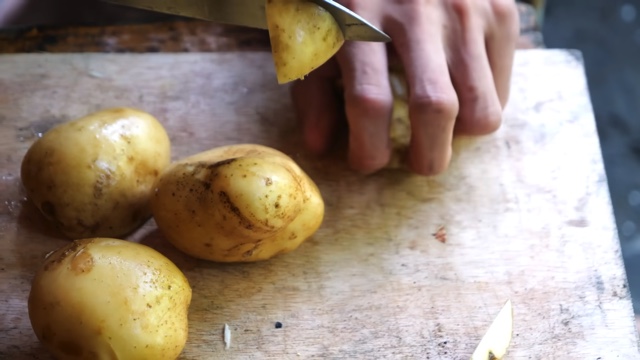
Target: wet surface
{"type": "Point", "coordinates": [608, 34]}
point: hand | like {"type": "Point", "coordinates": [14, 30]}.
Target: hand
{"type": "Point", "coordinates": [458, 57]}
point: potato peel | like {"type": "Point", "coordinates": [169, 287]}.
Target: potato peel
{"type": "Point", "coordinates": [303, 36]}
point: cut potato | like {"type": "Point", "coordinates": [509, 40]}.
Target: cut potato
{"type": "Point", "coordinates": [303, 36]}
{"type": "Point", "coordinates": [237, 203]}
{"type": "Point", "coordinates": [496, 341]}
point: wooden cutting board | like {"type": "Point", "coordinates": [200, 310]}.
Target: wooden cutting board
{"type": "Point", "coordinates": [526, 213]}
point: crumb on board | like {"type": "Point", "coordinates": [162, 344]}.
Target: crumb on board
{"type": "Point", "coordinates": [278, 325]}
{"type": "Point", "coordinates": [441, 234]}
{"type": "Point", "coordinates": [227, 336]}
{"type": "Point", "coordinates": [95, 74]}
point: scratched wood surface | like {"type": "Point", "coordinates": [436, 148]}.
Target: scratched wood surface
{"type": "Point", "coordinates": [526, 213]}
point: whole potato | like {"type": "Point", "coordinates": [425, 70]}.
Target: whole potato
{"type": "Point", "coordinates": [110, 299]}
{"type": "Point", "coordinates": [93, 176]}
{"type": "Point", "coordinates": [237, 203]}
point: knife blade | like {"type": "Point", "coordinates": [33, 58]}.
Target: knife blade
{"type": "Point", "coordinates": [251, 13]}
{"type": "Point", "coordinates": [494, 344]}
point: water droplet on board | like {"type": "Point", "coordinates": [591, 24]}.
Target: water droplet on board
{"type": "Point", "coordinates": [634, 198]}
{"type": "Point", "coordinates": [631, 248]}
{"type": "Point", "coordinates": [628, 13]}
{"type": "Point", "coordinates": [12, 206]}
{"type": "Point", "coordinates": [628, 228]}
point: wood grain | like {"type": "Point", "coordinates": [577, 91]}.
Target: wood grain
{"type": "Point", "coordinates": [166, 36]}
{"type": "Point", "coordinates": [526, 213]}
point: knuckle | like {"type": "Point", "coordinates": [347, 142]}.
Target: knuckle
{"type": "Point", "coordinates": [462, 8]}
{"type": "Point", "coordinates": [369, 100]}
{"type": "Point", "coordinates": [504, 10]}
{"type": "Point", "coordinates": [481, 121]}
{"type": "Point", "coordinates": [412, 11]}
{"type": "Point", "coordinates": [437, 106]}
{"type": "Point", "coordinates": [489, 122]}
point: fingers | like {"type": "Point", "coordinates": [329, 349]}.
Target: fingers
{"type": "Point", "coordinates": [457, 56]}
{"type": "Point", "coordinates": [316, 106]}
{"type": "Point", "coordinates": [502, 35]}
{"type": "Point", "coordinates": [433, 104]}
{"type": "Point", "coordinates": [368, 104]}
{"type": "Point", "coordinates": [471, 72]}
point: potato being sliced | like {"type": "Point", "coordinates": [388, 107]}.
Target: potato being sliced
{"type": "Point", "coordinates": [400, 127]}
{"type": "Point", "coordinates": [303, 36]}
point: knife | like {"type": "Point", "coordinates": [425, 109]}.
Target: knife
{"type": "Point", "coordinates": [495, 342]}
{"type": "Point", "coordinates": [251, 13]}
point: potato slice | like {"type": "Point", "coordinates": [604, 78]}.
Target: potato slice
{"type": "Point", "coordinates": [496, 341]}
{"type": "Point", "coordinates": [303, 36]}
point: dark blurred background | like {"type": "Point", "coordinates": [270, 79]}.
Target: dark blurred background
{"type": "Point", "coordinates": [608, 34]}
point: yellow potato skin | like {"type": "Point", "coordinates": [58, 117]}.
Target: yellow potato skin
{"type": "Point", "coordinates": [400, 126]}
{"type": "Point", "coordinates": [303, 36]}
{"type": "Point", "coordinates": [237, 203]}
{"type": "Point", "coordinates": [93, 176]}
{"type": "Point", "coordinates": [104, 298]}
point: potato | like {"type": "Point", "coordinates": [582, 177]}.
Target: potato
{"type": "Point", "coordinates": [495, 343]}
{"type": "Point", "coordinates": [400, 127]}
{"type": "Point", "coordinates": [93, 176]}
{"type": "Point", "coordinates": [238, 203]}
{"type": "Point", "coordinates": [106, 298]}
{"type": "Point", "coordinates": [303, 36]}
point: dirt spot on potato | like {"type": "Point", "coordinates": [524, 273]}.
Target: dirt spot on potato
{"type": "Point", "coordinates": [249, 253]}
{"type": "Point", "coordinates": [82, 262]}
{"type": "Point", "coordinates": [59, 256]}
{"type": "Point", "coordinates": [48, 209]}
{"type": "Point", "coordinates": [222, 163]}
{"type": "Point", "coordinates": [206, 185]}
{"type": "Point", "coordinates": [228, 204]}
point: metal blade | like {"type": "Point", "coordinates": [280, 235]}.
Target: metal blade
{"type": "Point", "coordinates": [353, 26]}
{"type": "Point", "coordinates": [251, 13]}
